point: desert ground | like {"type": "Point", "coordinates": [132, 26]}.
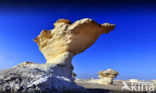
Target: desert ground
{"type": "Point", "coordinates": [113, 88]}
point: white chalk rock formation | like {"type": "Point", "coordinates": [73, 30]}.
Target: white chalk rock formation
{"type": "Point", "coordinates": [67, 37]}
{"type": "Point", "coordinates": [58, 46]}
{"type": "Point", "coordinates": [106, 77]}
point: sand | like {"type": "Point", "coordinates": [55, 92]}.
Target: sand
{"type": "Point", "coordinates": [114, 88]}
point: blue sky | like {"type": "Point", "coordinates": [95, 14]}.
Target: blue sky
{"type": "Point", "coordinates": [130, 49]}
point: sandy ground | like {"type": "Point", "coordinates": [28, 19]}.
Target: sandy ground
{"type": "Point", "coordinates": [114, 88]}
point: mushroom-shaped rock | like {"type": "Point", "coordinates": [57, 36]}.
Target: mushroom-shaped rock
{"type": "Point", "coordinates": [106, 77]}
{"type": "Point", "coordinates": [70, 37]}
{"type": "Point", "coordinates": [58, 46]}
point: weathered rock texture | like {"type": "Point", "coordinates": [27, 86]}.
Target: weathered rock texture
{"type": "Point", "coordinates": [67, 37]}
{"type": "Point", "coordinates": [106, 77]}
{"type": "Point", "coordinates": [58, 45]}
{"type": "Point", "coordinates": [29, 77]}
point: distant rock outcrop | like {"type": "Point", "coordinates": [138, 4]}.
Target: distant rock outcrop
{"type": "Point", "coordinates": [106, 77]}
{"type": "Point", "coordinates": [154, 81]}
{"type": "Point", "coordinates": [58, 45]}
{"type": "Point", "coordinates": [134, 80]}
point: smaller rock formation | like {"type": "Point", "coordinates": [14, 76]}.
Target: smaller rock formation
{"type": "Point", "coordinates": [106, 77]}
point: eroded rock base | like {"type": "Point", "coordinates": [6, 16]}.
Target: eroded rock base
{"type": "Point", "coordinates": [38, 78]}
